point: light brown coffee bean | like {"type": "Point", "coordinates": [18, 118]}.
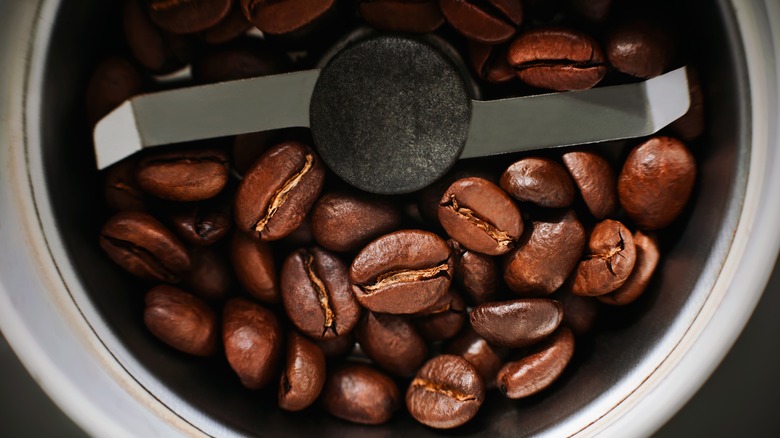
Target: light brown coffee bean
{"type": "Point", "coordinates": [596, 181]}
{"type": "Point", "coordinates": [184, 176]}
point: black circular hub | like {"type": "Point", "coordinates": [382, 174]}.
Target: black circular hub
{"type": "Point", "coordinates": [390, 114]}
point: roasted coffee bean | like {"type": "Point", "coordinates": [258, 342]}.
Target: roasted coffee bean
{"type": "Point", "coordinates": [639, 48]}
{"type": "Point", "coordinates": [546, 254]}
{"type": "Point", "coordinates": [188, 16]}
{"type": "Point", "coordinates": [484, 21]}
{"type": "Point", "coordinates": [231, 27]}
{"type": "Point", "coordinates": [487, 359]}
{"type": "Point", "coordinates": [656, 182]}
{"type": "Point", "coordinates": [557, 59]}
{"type": "Point", "coordinates": [247, 148]}
{"type": "Point", "coordinates": [480, 216]}
{"type": "Point", "coordinates": [691, 125]}
{"type": "Point", "coordinates": [402, 272]}
{"type": "Point", "coordinates": [192, 175]}
{"type": "Point", "coordinates": [210, 276]}
{"type": "Point", "coordinates": [253, 341]}
{"type": "Point", "coordinates": [142, 246]}
{"type": "Point", "coordinates": [114, 81]}
{"type": "Point", "coordinates": [447, 392]}
{"type": "Point", "coordinates": [592, 10]}
{"type": "Point", "coordinates": [647, 257]}
{"type": "Point", "coordinates": [242, 59]}
{"type": "Point", "coordinates": [490, 62]}
{"type": "Point", "coordinates": [278, 192]}
{"type": "Point", "coordinates": [317, 295]}
{"type": "Point", "coordinates": [392, 342]}
{"type": "Point", "coordinates": [444, 319]}
{"type": "Point", "coordinates": [181, 320]}
{"type": "Point", "coordinates": [516, 323]}
{"type": "Point", "coordinates": [304, 374]}
{"type": "Point", "coordinates": [285, 16]}
{"type": "Point", "coordinates": [596, 181]}
{"type": "Point", "coordinates": [120, 189]}
{"type": "Point", "coordinates": [477, 274]}
{"type": "Point", "coordinates": [335, 348]}
{"type": "Point", "coordinates": [538, 370]}
{"type": "Point", "coordinates": [253, 263]}
{"type": "Point", "coordinates": [360, 394]}
{"type": "Point", "coordinates": [579, 313]}
{"type": "Point", "coordinates": [411, 16]}
{"type": "Point", "coordinates": [203, 224]}
{"type": "Point", "coordinates": [157, 50]}
{"type": "Point", "coordinates": [539, 180]}
{"type": "Point", "coordinates": [428, 198]}
{"type": "Point", "coordinates": [610, 258]}
{"type": "Point", "coordinates": [348, 221]}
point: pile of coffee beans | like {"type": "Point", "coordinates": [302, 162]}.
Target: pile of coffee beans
{"type": "Point", "coordinates": [250, 249]}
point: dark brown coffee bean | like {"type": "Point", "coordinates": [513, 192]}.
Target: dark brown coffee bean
{"type": "Point", "coordinates": [480, 216]}
{"type": "Point", "coordinates": [477, 274]}
{"type": "Point", "coordinates": [444, 319]}
{"type": "Point", "coordinates": [348, 221]}
{"type": "Point", "coordinates": [656, 182]}
{"type": "Point", "coordinates": [253, 341]}
{"type": "Point", "coordinates": [192, 175]}
{"type": "Point", "coordinates": [304, 374]}
{"type": "Point", "coordinates": [690, 126]}
{"type": "Point", "coordinates": [610, 258]}
{"type": "Point", "coordinates": [317, 295]}
{"type": "Point", "coordinates": [203, 223]}
{"type": "Point", "coordinates": [647, 257]}
{"type": "Point", "coordinates": [157, 50]}
{"type": "Point", "coordinates": [639, 48]}
{"type": "Point", "coordinates": [557, 59]}
{"type": "Point", "coordinates": [114, 81]}
{"type": "Point", "coordinates": [579, 313]}
{"type": "Point", "coordinates": [411, 16]}
{"type": "Point", "coordinates": [253, 263]}
{"type": "Point", "coordinates": [538, 370]}
{"type": "Point", "coordinates": [545, 255]}
{"type": "Point", "coordinates": [243, 59]}
{"type": "Point", "coordinates": [120, 189]}
{"type": "Point", "coordinates": [429, 197]}
{"type": "Point", "coordinates": [539, 180]}
{"type": "Point", "coordinates": [181, 320]}
{"type": "Point", "coordinates": [281, 17]}
{"type": "Point", "coordinates": [247, 148]}
{"type": "Point", "coordinates": [402, 272]}
{"type": "Point", "coordinates": [486, 358]}
{"type": "Point", "coordinates": [360, 394]}
{"type": "Point", "coordinates": [392, 342]}
{"type": "Point", "coordinates": [210, 276]}
{"type": "Point", "coordinates": [278, 192]}
{"type": "Point", "coordinates": [596, 181]}
{"type": "Point", "coordinates": [595, 11]}
{"type": "Point", "coordinates": [144, 247]}
{"type": "Point", "coordinates": [490, 62]}
{"type": "Point", "coordinates": [516, 323]}
{"type": "Point", "coordinates": [231, 27]}
{"type": "Point", "coordinates": [447, 392]}
{"type": "Point", "coordinates": [488, 21]}
{"type": "Point", "coordinates": [339, 347]}
{"type": "Point", "coordinates": [188, 16]}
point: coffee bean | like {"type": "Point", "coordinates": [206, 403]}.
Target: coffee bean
{"type": "Point", "coordinates": [335, 348]}
{"type": "Point", "coordinates": [546, 254]}
{"type": "Point", "coordinates": [203, 223]}
{"type": "Point", "coordinates": [120, 189]}
{"type": "Point", "coordinates": [596, 181]}
{"type": "Point", "coordinates": [229, 28]}
{"type": "Point", "coordinates": [516, 323]}
{"type": "Point", "coordinates": [190, 175]}
{"type": "Point", "coordinates": [142, 246]}
{"type": "Point", "coordinates": [360, 394]}
{"type": "Point", "coordinates": [557, 59]}
{"type": "Point", "coordinates": [539, 180]}
{"type": "Point", "coordinates": [656, 182]}
{"type": "Point", "coordinates": [402, 272]}
{"type": "Point", "coordinates": [447, 392]}
{"type": "Point", "coordinates": [690, 126]}
{"type": "Point", "coordinates": [444, 319]}
{"type": "Point", "coordinates": [647, 257]}
{"type": "Point", "coordinates": [484, 21]}
{"type": "Point", "coordinates": [241, 59]}
{"type": "Point", "coordinates": [477, 274]}
{"type": "Point", "coordinates": [411, 16]}
{"type": "Point", "coordinates": [579, 313]}
{"type": "Point", "coordinates": [253, 341]}
{"type": "Point", "coordinates": [639, 48]}
{"type": "Point", "coordinates": [538, 370]}
{"type": "Point", "coordinates": [284, 16]}
{"type": "Point", "coordinates": [181, 320]}
{"type": "Point", "coordinates": [480, 216]}
{"type": "Point", "coordinates": [188, 16]}
{"type": "Point", "coordinates": [609, 261]}
{"type": "Point", "coordinates": [304, 374]}
{"type": "Point", "coordinates": [253, 263]}
{"type": "Point", "coordinates": [490, 62]}
{"type": "Point", "coordinates": [210, 277]}
{"type": "Point", "coordinates": [428, 198]}
{"type": "Point", "coordinates": [487, 359]}
{"type": "Point", "coordinates": [317, 295]}
{"type": "Point", "coordinates": [348, 221]}
{"type": "Point", "coordinates": [392, 342]}
{"type": "Point", "coordinates": [278, 192]}
{"type": "Point", "coordinates": [114, 81]}
{"type": "Point", "coordinates": [159, 51]}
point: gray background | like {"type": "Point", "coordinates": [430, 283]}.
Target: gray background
{"type": "Point", "coordinates": [740, 399]}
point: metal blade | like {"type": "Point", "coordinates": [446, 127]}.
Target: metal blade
{"type": "Point", "coordinates": [577, 117]}
{"type": "Point", "coordinates": [208, 111]}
